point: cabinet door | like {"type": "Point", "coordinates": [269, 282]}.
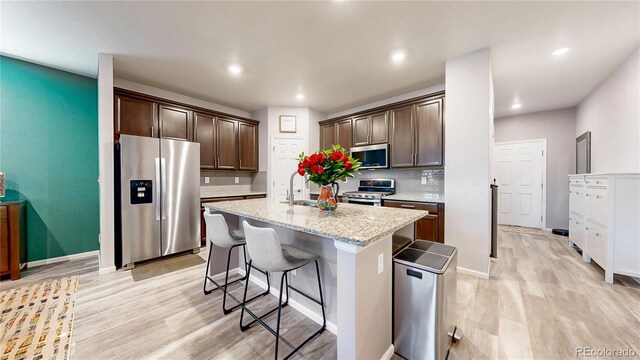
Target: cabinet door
{"type": "Point", "coordinates": [360, 131]}
{"type": "Point", "coordinates": [205, 135]}
{"type": "Point", "coordinates": [175, 122]}
{"type": "Point", "coordinates": [327, 136]}
{"type": "Point", "coordinates": [427, 228]}
{"type": "Point", "coordinates": [4, 240]}
{"type": "Point", "coordinates": [379, 128]}
{"type": "Point", "coordinates": [248, 146]}
{"type": "Point", "coordinates": [135, 116]}
{"type": "Point", "coordinates": [429, 133]}
{"type": "Point", "coordinates": [402, 137]}
{"type": "Point", "coordinates": [226, 144]}
{"type": "Point", "coordinates": [344, 133]}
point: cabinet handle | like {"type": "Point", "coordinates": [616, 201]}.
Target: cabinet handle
{"type": "Point", "coordinates": [577, 193]}
{"type": "Point", "coordinates": [587, 195]}
{"type": "Point", "coordinates": [151, 127]}
{"type": "Point", "coordinates": [598, 196]}
{"type": "Point", "coordinates": [598, 182]}
{"type": "Point", "coordinates": [587, 181]}
{"type": "Point", "coordinates": [407, 206]}
{"type": "Point", "coordinates": [586, 228]}
{"type": "Point", "coordinates": [570, 192]}
{"type": "Point", "coordinates": [597, 234]}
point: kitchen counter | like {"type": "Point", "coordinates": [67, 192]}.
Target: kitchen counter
{"type": "Point", "coordinates": [215, 194]}
{"type": "Point", "coordinates": [417, 197]}
{"type": "Point", "coordinates": [354, 224]}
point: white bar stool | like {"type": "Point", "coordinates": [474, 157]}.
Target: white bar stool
{"type": "Point", "coordinates": [267, 254]}
{"type": "Point", "coordinates": [218, 234]}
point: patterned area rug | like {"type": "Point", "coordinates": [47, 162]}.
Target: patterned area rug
{"type": "Point", "coordinates": [36, 321]}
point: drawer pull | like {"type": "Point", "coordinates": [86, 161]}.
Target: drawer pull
{"type": "Point", "coordinates": [577, 193]}
{"type": "Point", "coordinates": [587, 195]}
{"type": "Point", "coordinates": [570, 192]}
{"type": "Point", "coordinates": [586, 228]}
{"type": "Point", "coordinates": [597, 234]}
{"type": "Point", "coordinates": [598, 182]}
{"type": "Point", "coordinates": [598, 197]}
{"type": "Point", "coordinates": [408, 206]}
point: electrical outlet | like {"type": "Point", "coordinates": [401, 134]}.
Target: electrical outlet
{"type": "Point", "coordinates": [424, 180]}
{"type": "Point", "coordinates": [207, 180]}
{"type": "Point", "coordinates": [237, 180]}
{"type": "Point", "coordinates": [380, 263]}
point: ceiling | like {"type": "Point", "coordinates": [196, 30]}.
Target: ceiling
{"type": "Point", "coordinates": [337, 52]}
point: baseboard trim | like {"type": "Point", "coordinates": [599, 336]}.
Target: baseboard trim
{"type": "Point", "coordinates": [107, 270]}
{"type": "Point", "coordinates": [388, 354]}
{"type": "Point", "coordinates": [58, 259]}
{"type": "Point", "coordinates": [473, 273]}
{"type": "Point", "coordinates": [317, 318]}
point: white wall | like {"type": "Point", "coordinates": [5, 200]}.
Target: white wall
{"type": "Point", "coordinates": [391, 100]}
{"type": "Point", "coordinates": [468, 143]}
{"type": "Point", "coordinates": [105, 156]}
{"type": "Point", "coordinates": [612, 113]}
{"type": "Point", "coordinates": [307, 129]}
{"type": "Point", "coordinates": [558, 127]}
{"type": "Point", "coordinates": [169, 95]}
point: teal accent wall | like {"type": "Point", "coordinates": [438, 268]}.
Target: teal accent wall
{"type": "Point", "coordinates": [49, 154]}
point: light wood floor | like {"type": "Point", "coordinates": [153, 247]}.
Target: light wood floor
{"type": "Point", "coordinates": [541, 302]}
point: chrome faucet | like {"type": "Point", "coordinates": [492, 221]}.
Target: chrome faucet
{"type": "Point", "coordinates": [290, 192]}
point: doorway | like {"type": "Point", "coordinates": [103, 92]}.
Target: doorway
{"type": "Point", "coordinates": [284, 161]}
{"type": "Point", "coordinates": [520, 169]}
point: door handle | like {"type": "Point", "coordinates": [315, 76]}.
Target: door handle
{"type": "Point", "coordinates": [157, 187]}
{"type": "Point", "coordinates": [163, 173]}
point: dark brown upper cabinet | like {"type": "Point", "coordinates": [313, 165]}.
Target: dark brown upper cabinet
{"type": "Point", "coordinates": [327, 135]}
{"type": "Point", "coordinates": [248, 146]}
{"type": "Point", "coordinates": [134, 116]}
{"type": "Point", "coordinates": [402, 136]}
{"type": "Point", "coordinates": [205, 135]}
{"type": "Point", "coordinates": [344, 133]}
{"type": "Point", "coordinates": [429, 133]}
{"type": "Point", "coordinates": [371, 129]}
{"type": "Point", "coordinates": [226, 144]}
{"type": "Point", "coordinates": [175, 122]}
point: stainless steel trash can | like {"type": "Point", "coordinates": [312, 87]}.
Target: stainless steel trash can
{"type": "Point", "coordinates": [424, 300]}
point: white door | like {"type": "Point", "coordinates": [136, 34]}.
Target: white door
{"type": "Point", "coordinates": [284, 161]}
{"type": "Point", "coordinates": [518, 168]}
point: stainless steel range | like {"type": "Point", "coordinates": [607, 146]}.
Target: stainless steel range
{"type": "Point", "coordinates": [370, 192]}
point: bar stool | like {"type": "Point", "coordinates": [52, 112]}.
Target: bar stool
{"type": "Point", "coordinates": [267, 254]}
{"type": "Point", "coordinates": [218, 234]}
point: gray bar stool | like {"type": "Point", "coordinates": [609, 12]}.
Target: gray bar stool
{"type": "Point", "coordinates": [218, 234]}
{"type": "Point", "coordinates": [267, 254]}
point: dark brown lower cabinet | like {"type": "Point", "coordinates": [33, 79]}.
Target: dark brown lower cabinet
{"type": "Point", "coordinates": [430, 227]}
{"type": "Point", "coordinates": [203, 225]}
{"type": "Point", "coordinates": [13, 247]}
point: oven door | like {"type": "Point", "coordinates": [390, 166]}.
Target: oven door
{"type": "Point", "coordinates": [372, 156]}
{"type": "Point", "coordinates": [359, 201]}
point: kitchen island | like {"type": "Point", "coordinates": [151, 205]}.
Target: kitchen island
{"type": "Point", "coordinates": [354, 244]}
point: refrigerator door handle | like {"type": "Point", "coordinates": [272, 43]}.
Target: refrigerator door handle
{"type": "Point", "coordinates": [163, 172]}
{"type": "Point", "coordinates": [156, 203]}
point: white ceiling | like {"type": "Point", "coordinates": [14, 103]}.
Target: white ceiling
{"type": "Point", "coordinates": [336, 52]}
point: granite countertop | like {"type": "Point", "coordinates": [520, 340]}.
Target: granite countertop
{"type": "Point", "coordinates": [417, 197]}
{"type": "Point", "coordinates": [350, 223]}
{"type": "Point", "coordinates": [214, 194]}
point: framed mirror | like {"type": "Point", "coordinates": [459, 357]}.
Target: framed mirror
{"type": "Point", "coordinates": [583, 153]}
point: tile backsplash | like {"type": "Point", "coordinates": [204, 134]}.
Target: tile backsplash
{"type": "Point", "coordinates": [256, 180]}
{"type": "Point", "coordinates": [408, 181]}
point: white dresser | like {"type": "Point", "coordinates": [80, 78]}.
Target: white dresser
{"type": "Point", "coordinates": [604, 221]}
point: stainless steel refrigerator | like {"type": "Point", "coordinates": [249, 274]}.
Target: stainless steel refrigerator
{"type": "Point", "coordinates": [158, 181]}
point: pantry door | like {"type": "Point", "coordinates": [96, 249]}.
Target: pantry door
{"type": "Point", "coordinates": [284, 160]}
{"type": "Point", "coordinates": [519, 169]}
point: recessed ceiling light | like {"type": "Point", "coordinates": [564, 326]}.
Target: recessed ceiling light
{"type": "Point", "coordinates": [560, 51]}
{"type": "Point", "coordinates": [300, 96]}
{"type": "Point", "coordinates": [235, 69]}
{"type": "Point", "coordinates": [398, 56]}
{"type": "Point", "coordinates": [516, 106]}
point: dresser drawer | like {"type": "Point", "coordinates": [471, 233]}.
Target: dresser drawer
{"type": "Point", "coordinates": [600, 182]}
{"type": "Point", "coordinates": [597, 206]}
{"type": "Point", "coordinates": [576, 181]}
{"type": "Point", "coordinates": [597, 243]}
{"type": "Point", "coordinates": [576, 231]}
{"type": "Point", "coordinates": [577, 200]}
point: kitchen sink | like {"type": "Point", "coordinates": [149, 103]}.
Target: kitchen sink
{"type": "Point", "coordinates": [311, 203]}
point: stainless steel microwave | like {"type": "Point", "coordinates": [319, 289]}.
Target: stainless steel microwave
{"type": "Point", "coordinates": [372, 156]}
